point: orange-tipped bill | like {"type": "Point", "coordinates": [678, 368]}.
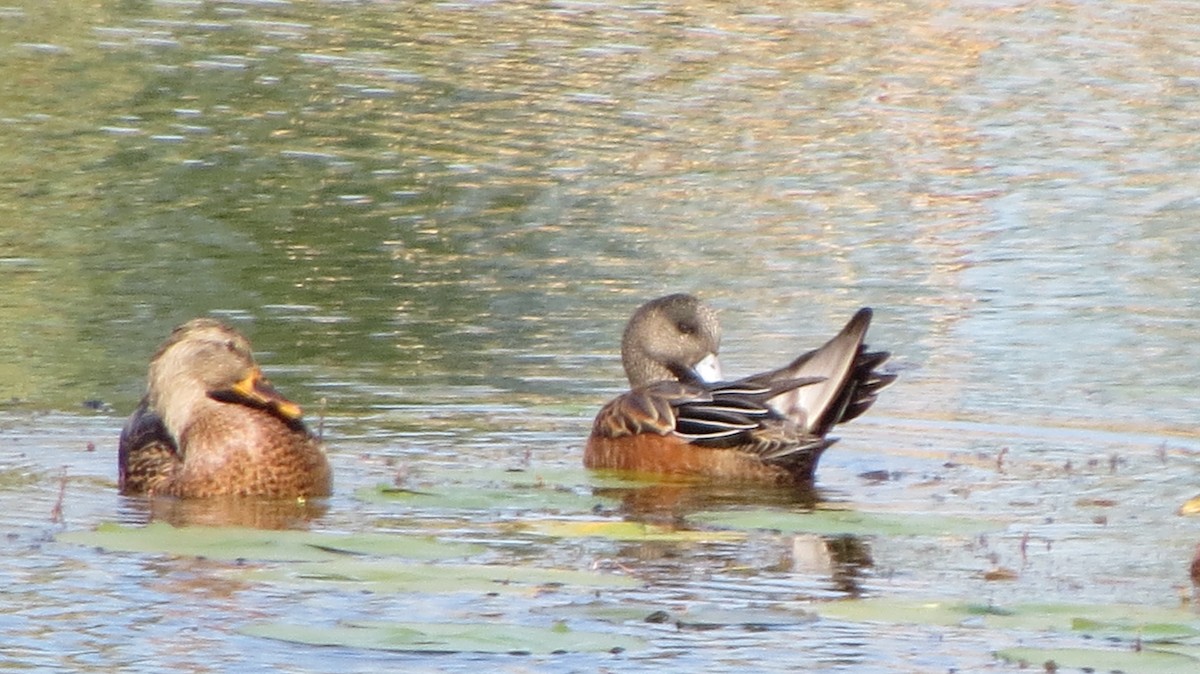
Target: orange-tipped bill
{"type": "Point", "coordinates": [256, 391]}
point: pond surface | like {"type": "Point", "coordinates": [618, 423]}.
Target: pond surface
{"type": "Point", "coordinates": [432, 220]}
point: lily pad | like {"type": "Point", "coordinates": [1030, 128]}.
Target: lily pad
{"type": "Point", "coordinates": [1190, 506]}
{"type": "Point", "coordinates": [480, 497]}
{"type": "Point", "coordinates": [554, 489]}
{"type": "Point", "coordinates": [231, 543]}
{"type": "Point", "coordinates": [389, 576]}
{"type": "Point", "coordinates": [847, 522]}
{"type": "Point", "coordinates": [449, 637]}
{"type": "Point", "coordinates": [907, 611]}
{"type": "Point", "coordinates": [1150, 661]}
{"type": "Point", "coordinates": [622, 530]}
{"type": "Point", "coordinates": [1115, 621]}
{"type": "Point", "coordinates": [17, 478]}
{"type": "Point", "coordinates": [698, 616]}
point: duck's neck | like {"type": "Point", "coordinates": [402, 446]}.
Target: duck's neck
{"type": "Point", "coordinates": [642, 370]}
{"type": "Point", "coordinates": [178, 403]}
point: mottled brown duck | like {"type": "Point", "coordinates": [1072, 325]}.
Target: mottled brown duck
{"type": "Point", "coordinates": [212, 425]}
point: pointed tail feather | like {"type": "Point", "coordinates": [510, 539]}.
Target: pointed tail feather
{"type": "Point", "coordinates": [818, 407]}
{"type": "Point", "coordinates": [866, 385]}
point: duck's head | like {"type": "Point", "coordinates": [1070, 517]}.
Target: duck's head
{"type": "Point", "coordinates": [676, 337]}
{"type": "Point", "coordinates": [205, 360]}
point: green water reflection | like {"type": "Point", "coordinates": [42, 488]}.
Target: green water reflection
{"type": "Point", "coordinates": [387, 193]}
{"type": "Point", "coordinates": [419, 200]}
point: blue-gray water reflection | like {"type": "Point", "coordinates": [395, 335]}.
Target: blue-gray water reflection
{"type": "Point", "coordinates": [437, 216]}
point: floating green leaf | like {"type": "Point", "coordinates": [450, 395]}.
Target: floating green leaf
{"type": "Point", "coordinates": [846, 522]}
{"type": "Point", "coordinates": [17, 478]}
{"type": "Point", "coordinates": [622, 530]}
{"type": "Point", "coordinates": [390, 576]}
{"type": "Point", "coordinates": [448, 637]}
{"type": "Point", "coordinates": [1149, 624]}
{"type": "Point", "coordinates": [906, 611]}
{"type": "Point", "coordinates": [553, 489]}
{"type": "Point", "coordinates": [694, 615]}
{"type": "Point", "coordinates": [480, 497]}
{"type": "Point", "coordinates": [241, 543]}
{"type": "Point", "coordinates": [1149, 661]}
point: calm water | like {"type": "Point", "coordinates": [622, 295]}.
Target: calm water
{"type": "Point", "coordinates": [436, 217]}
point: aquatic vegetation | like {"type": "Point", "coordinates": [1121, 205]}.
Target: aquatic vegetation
{"type": "Point", "coordinates": [454, 637]}
{"type": "Point", "coordinates": [236, 543]}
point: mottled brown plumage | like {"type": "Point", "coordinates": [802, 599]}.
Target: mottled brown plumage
{"type": "Point", "coordinates": [680, 419]}
{"type": "Point", "coordinates": [211, 425]}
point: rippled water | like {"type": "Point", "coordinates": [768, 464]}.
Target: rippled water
{"type": "Point", "coordinates": [435, 218]}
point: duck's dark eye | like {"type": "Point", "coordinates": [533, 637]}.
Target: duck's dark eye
{"type": "Point", "coordinates": [231, 345]}
{"type": "Point", "coordinates": [686, 327]}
